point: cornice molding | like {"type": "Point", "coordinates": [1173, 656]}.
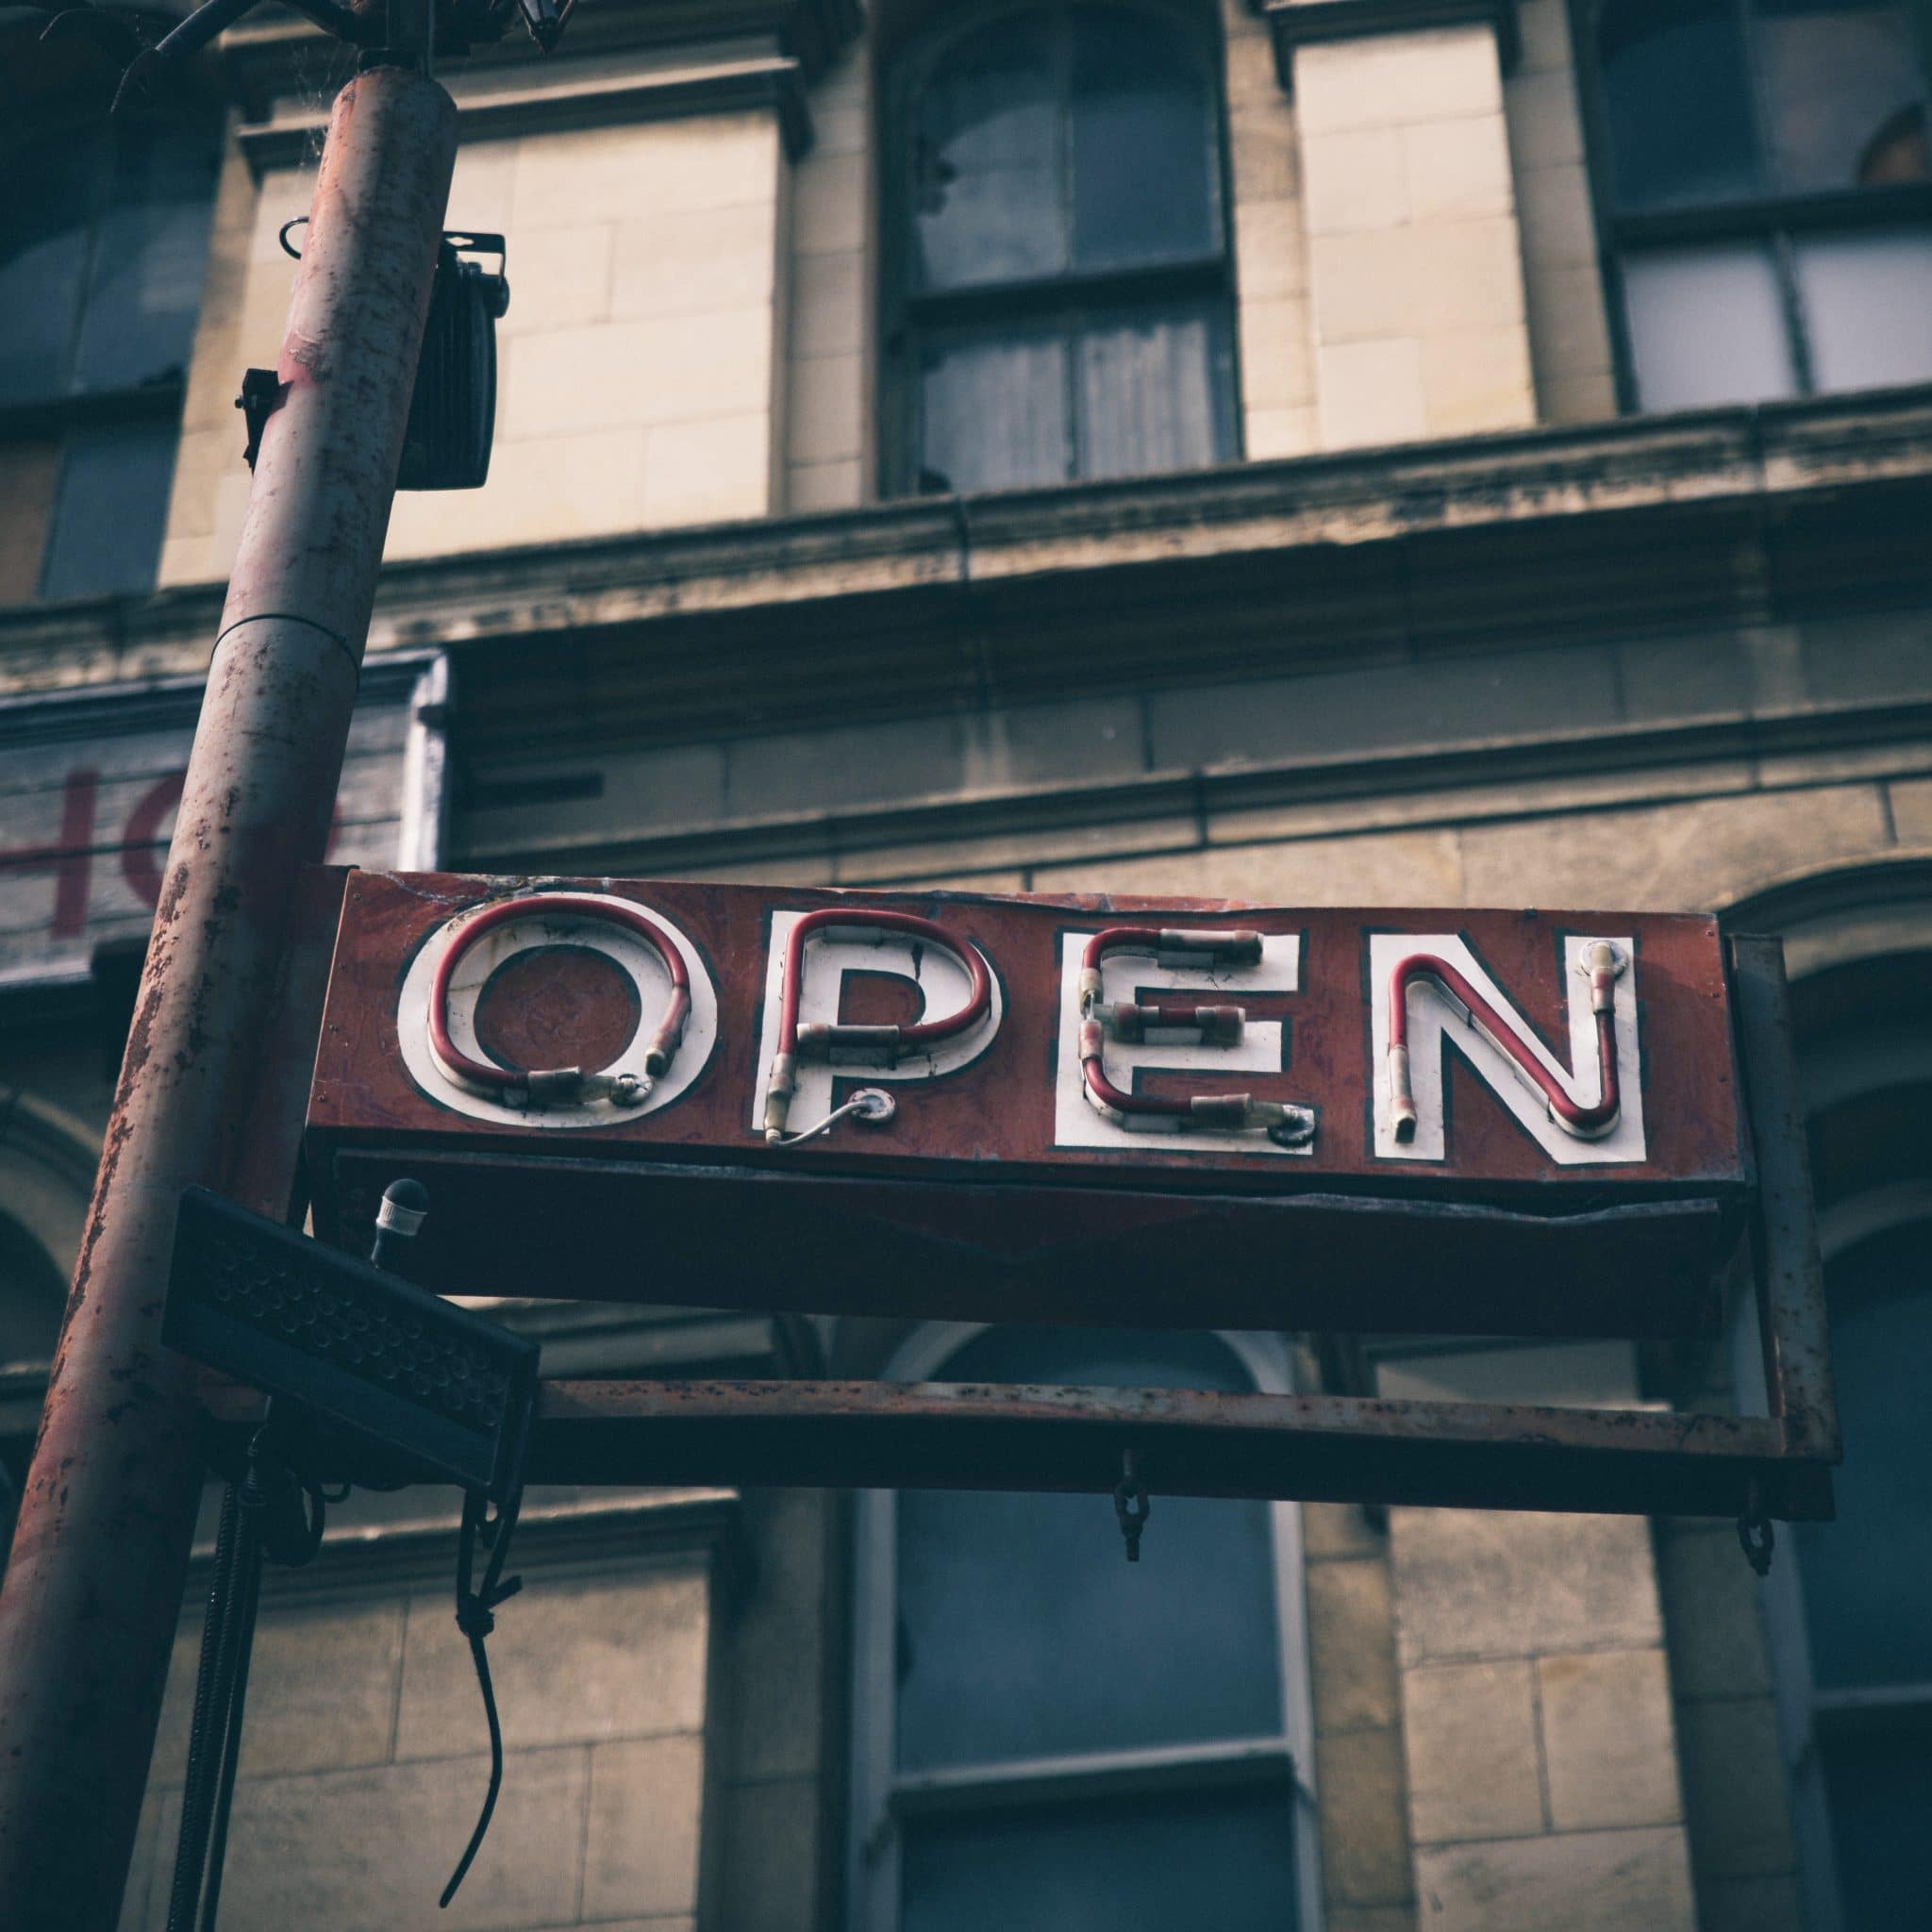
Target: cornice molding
{"type": "Point", "coordinates": [275, 54]}
{"type": "Point", "coordinates": [1307, 22]}
{"type": "Point", "coordinates": [1584, 533]}
{"type": "Point", "coordinates": [485, 114]}
{"type": "Point", "coordinates": [1414, 787]}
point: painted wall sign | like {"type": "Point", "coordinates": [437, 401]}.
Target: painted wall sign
{"type": "Point", "coordinates": [1064, 1108]}
{"type": "Point", "coordinates": [89, 780]}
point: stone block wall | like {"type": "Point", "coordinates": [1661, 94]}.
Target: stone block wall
{"type": "Point", "coordinates": [1415, 259]}
{"type": "Point", "coordinates": [1542, 1774]}
{"type": "Point", "coordinates": [1743, 1853]}
{"type": "Point", "coordinates": [365, 1754]}
{"type": "Point", "coordinates": [830, 462]}
{"type": "Point", "coordinates": [1361, 1780]}
{"type": "Point", "coordinates": [779, 1807]}
{"type": "Point", "coordinates": [1569, 331]}
{"type": "Point", "coordinates": [1271, 247]}
{"type": "Point", "coordinates": [641, 367]}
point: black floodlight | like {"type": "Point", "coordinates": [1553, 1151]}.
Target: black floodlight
{"type": "Point", "coordinates": [365, 1352]}
{"type": "Point", "coordinates": [453, 410]}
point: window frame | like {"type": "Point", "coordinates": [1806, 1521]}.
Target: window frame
{"type": "Point", "coordinates": [880, 1795]}
{"type": "Point", "coordinates": [155, 404]}
{"type": "Point", "coordinates": [1068, 299]}
{"type": "Point", "coordinates": [1773, 217]}
{"type": "Point", "coordinates": [1834, 1075]}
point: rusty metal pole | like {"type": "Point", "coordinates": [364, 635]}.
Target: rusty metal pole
{"type": "Point", "coordinates": [93, 1587]}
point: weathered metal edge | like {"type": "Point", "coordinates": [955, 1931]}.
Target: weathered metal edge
{"type": "Point", "coordinates": [1302, 1447]}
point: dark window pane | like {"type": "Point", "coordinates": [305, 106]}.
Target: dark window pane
{"type": "Point", "coordinates": [1868, 1576]}
{"type": "Point", "coordinates": [1155, 393]}
{"type": "Point", "coordinates": [1022, 1633]}
{"type": "Point", "coordinates": [1845, 90]}
{"type": "Point", "coordinates": [1880, 1794]}
{"type": "Point", "coordinates": [1225, 1863]}
{"type": "Point", "coordinates": [988, 199]}
{"type": "Point", "coordinates": [1706, 326]}
{"type": "Point", "coordinates": [110, 511]}
{"type": "Point", "coordinates": [150, 253]}
{"type": "Point", "coordinates": [1678, 102]}
{"type": "Point", "coordinates": [993, 411]}
{"type": "Point", "coordinates": [43, 244]}
{"type": "Point", "coordinates": [1868, 306]}
{"type": "Point", "coordinates": [1142, 144]}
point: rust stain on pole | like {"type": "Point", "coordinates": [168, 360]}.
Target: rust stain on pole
{"type": "Point", "coordinates": [93, 1587]}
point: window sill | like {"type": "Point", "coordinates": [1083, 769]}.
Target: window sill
{"type": "Point", "coordinates": [1854, 208]}
{"type": "Point", "coordinates": [152, 402]}
{"type": "Point", "coordinates": [1095, 1774]}
{"type": "Point", "coordinates": [1873, 1708]}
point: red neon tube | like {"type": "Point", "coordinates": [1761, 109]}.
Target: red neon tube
{"type": "Point", "coordinates": [1289, 1125]}
{"type": "Point", "coordinates": [1585, 1122]}
{"type": "Point", "coordinates": [564, 1083]}
{"type": "Point", "coordinates": [893, 1041]}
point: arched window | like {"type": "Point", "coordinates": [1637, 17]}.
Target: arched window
{"type": "Point", "coordinates": [1850, 1636]}
{"type": "Point", "coordinates": [1058, 286]}
{"type": "Point", "coordinates": [1768, 194]}
{"type": "Point", "coordinates": [1049, 1739]}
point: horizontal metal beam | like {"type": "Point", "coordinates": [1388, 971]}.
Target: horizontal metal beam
{"type": "Point", "coordinates": [1332, 1448]}
{"type": "Point", "coordinates": [1093, 1774]}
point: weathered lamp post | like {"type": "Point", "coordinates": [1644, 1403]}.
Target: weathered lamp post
{"type": "Point", "coordinates": [93, 1587]}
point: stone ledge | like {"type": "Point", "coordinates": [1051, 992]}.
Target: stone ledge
{"type": "Point", "coordinates": [1580, 532]}
{"type": "Point", "coordinates": [729, 88]}
{"type": "Point", "coordinates": [274, 53]}
{"type": "Point", "coordinates": [1307, 22]}
{"type": "Point", "coordinates": [1025, 814]}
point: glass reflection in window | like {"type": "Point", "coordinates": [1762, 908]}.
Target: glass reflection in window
{"type": "Point", "coordinates": [1770, 193]}
{"type": "Point", "coordinates": [1842, 86]}
{"type": "Point", "coordinates": [103, 244]}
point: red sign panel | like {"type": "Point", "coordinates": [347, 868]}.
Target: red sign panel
{"type": "Point", "coordinates": [1105, 1110]}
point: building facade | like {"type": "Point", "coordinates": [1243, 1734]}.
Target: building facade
{"type": "Point", "coordinates": [1319, 452]}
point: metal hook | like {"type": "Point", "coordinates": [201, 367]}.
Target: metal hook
{"type": "Point", "coordinates": [1755, 1535]}
{"type": "Point", "coordinates": [1128, 1492]}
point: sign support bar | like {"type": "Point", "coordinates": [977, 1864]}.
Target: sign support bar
{"type": "Point", "coordinates": [1308, 1447]}
{"type": "Point", "coordinates": [879, 1435]}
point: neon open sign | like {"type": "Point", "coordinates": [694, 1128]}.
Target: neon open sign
{"type": "Point", "coordinates": [1080, 1072]}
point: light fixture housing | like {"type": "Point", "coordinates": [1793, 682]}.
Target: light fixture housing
{"type": "Point", "coordinates": [436, 1391]}
{"type": "Point", "coordinates": [452, 410]}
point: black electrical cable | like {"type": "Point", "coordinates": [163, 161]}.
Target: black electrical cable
{"type": "Point", "coordinates": [261, 1516]}
{"type": "Point", "coordinates": [476, 1619]}
{"type": "Point", "coordinates": [190, 1850]}
{"type": "Point", "coordinates": [249, 1600]}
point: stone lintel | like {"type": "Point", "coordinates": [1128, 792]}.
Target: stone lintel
{"type": "Point", "coordinates": [775, 81]}
{"type": "Point", "coordinates": [275, 52]}
{"type": "Point", "coordinates": [1302, 23]}
{"type": "Point", "coordinates": [1592, 530]}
